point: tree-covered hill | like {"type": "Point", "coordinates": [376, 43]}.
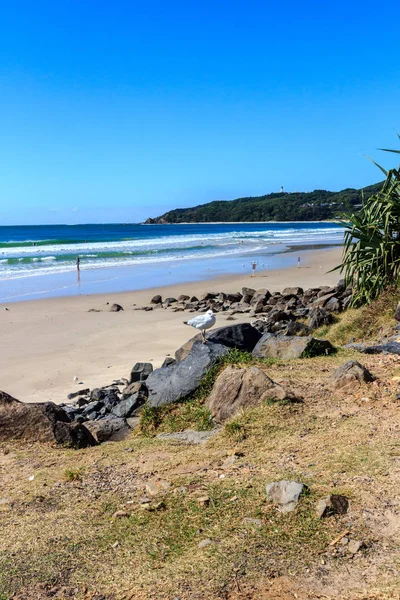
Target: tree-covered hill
{"type": "Point", "coordinates": [300, 206]}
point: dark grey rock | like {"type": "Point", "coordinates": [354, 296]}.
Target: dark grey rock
{"type": "Point", "coordinates": [388, 348]}
{"type": "Point", "coordinates": [108, 429]}
{"type": "Point", "coordinates": [241, 336]}
{"type": "Point", "coordinates": [73, 435]}
{"type": "Point", "coordinates": [73, 395]}
{"type": "Point", "coordinates": [319, 317]}
{"type": "Point", "coordinates": [333, 305]}
{"type": "Point", "coordinates": [126, 408]}
{"type": "Point", "coordinates": [176, 382]}
{"type": "Point", "coordinates": [156, 299]}
{"type": "Point", "coordinates": [292, 291]}
{"type": "Point", "coordinates": [116, 308]}
{"type": "Point", "coordinates": [294, 328]}
{"type": "Point", "coordinates": [247, 294]}
{"type": "Point", "coordinates": [168, 361]}
{"type": "Point", "coordinates": [140, 371]}
{"type": "Point", "coordinates": [286, 347]}
{"type": "Point", "coordinates": [234, 297]}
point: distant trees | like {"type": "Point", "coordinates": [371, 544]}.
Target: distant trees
{"type": "Point", "coordinates": [308, 206]}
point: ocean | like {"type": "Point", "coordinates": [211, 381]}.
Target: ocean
{"type": "Point", "coordinates": [40, 261]}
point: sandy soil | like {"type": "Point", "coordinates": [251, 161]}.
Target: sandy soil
{"type": "Point", "coordinates": [46, 343]}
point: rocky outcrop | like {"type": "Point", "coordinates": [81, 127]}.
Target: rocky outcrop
{"type": "Point", "coordinates": [176, 382]}
{"type": "Point", "coordinates": [288, 347]}
{"type": "Point", "coordinates": [40, 422]}
{"type": "Point", "coordinates": [140, 371]}
{"type": "Point", "coordinates": [238, 389]}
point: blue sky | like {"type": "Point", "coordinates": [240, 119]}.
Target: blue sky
{"type": "Point", "coordinates": [115, 111]}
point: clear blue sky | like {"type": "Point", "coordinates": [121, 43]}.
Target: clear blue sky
{"type": "Point", "coordinates": [115, 111]}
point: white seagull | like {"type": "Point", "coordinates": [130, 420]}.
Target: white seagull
{"type": "Point", "coordinates": [202, 322]}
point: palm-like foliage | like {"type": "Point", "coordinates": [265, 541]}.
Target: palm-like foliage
{"type": "Point", "coordinates": [371, 255]}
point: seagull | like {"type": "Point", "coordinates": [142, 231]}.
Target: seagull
{"type": "Point", "coordinates": [202, 322]}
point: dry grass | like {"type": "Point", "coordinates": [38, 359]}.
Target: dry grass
{"type": "Point", "coordinates": [60, 535]}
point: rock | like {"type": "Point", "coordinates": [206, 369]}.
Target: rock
{"type": "Point", "coordinates": [287, 347]}
{"type": "Point", "coordinates": [241, 307]}
{"type": "Point", "coordinates": [92, 408]}
{"type": "Point", "coordinates": [168, 361]}
{"type": "Point", "coordinates": [247, 294]}
{"type": "Point", "coordinates": [285, 494]}
{"type": "Point", "coordinates": [292, 291]}
{"type": "Point", "coordinates": [108, 396]}
{"type": "Point", "coordinates": [319, 317]}
{"type": "Point", "coordinates": [203, 500]}
{"type": "Point", "coordinates": [208, 296]}
{"type": "Point", "coordinates": [156, 299]}
{"type": "Point", "coordinates": [121, 514]}
{"type": "Point", "coordinates": [116, 308]}
{"type": "Point", "coordinates": [94, 310]}
{"type": "Point", "coordinates": [176, 382]}
{"type": "Point", "coordinates": [131, 388]}
{"type": "Point", "coordinates": [140, 371]}
{"type": "Point", "coordinates": [279, 315]}
{"type": "Point", "coordinates": [260, 296]}
{"type": "Point", "coordinates": [242, 336]}
{"type": "Point", "coordinates": [108, 429]}
{"type": "Point", "coordinates": [333, 305]}
{"type": "Point", "coordinates": [295, 328]}
{"type": "Point", "coordinates": [388, 348]}
{"type": "Point", "coordinates": [334, 504]}
{"type": "Point", "coordinates": [354, 546]}
{"type": "Point", "coordinates": [169, 301]}
{"type": "Point", "coordinates": [126, 408]}
{"type": "Point", "coordinates": [204, 543]}
{"type": "Point", "coordinates": [397, 313]}
{"type": "Point", "coordinates": [133, 423]}
{"type": "Point", "coordinates": [322, 300]}
{"type": "Point", "coordinates": [39, 422]}
{"type": "Point", "coordinates": [154, 487]}
{"type": "Point", "coordinates": [184, 298]}
{"type": "Point", "coordinates": [256, 308]}
{"type": "Point", "coordinates": [73, 395]}
{"type": "Point", "coordinates": [350, 374]}
{"type": "Point", "coordinates": [194, 299]}
{"type": "Point", "coordinates": [238, 389]}
{"type": "Point", "coordinates": [234, 297]}
{"type": "Point", "coordinates": [189, 436]}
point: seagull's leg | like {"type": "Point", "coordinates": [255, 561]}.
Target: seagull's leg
{"type": "Point", "coordinates": [203, 333]}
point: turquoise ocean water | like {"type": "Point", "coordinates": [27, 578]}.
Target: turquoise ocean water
{"type": "Point", "coordinates": [40, 261]}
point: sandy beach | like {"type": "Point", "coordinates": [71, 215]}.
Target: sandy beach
{"type": "Point", "coordinates": [46, 343]}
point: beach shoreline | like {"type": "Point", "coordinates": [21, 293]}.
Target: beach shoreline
{"type": "Point", "coordinates": [47, 342]}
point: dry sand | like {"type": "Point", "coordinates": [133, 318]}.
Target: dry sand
{"type": "Point", "coordinates": [46, 343]}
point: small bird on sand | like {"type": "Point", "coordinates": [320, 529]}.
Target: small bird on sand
{"type": "Point", "coordinates": [202, 322]}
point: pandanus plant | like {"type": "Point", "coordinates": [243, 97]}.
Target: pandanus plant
{"type": "Point", "coordinates": [371, 252]}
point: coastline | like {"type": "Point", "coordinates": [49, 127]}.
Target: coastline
{"type": "Point", "coordinates": [47, 342]}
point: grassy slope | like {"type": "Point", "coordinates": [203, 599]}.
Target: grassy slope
{"type": "Point", "coordinates": [59, 533]}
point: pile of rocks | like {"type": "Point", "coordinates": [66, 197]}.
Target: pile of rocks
{"type": "Point", "coordinates": [278, 310]}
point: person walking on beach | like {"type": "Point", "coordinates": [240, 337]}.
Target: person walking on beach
{"type": "Point", "coordinates": [78, 264]}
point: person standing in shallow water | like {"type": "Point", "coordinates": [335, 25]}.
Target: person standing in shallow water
{"type": "Point", "coordinates": [78, 264]}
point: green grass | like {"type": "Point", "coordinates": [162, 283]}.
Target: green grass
{"type": "Point", "coordinates": [235, 430]}
{"type": "Point", "coordinates": [73, 474]}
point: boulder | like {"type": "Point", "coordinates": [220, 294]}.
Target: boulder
{"type": "Point", "coordinates": [170, 300]}
{"type": "Point", "coordinates": [140, 371]}
{"type": "Point", "coordinates": [183, 298]}
{"type": "Point", "coordinates": [108, 396]}
{"type": "Point", "coordinates": [40, 422]}
{"type": "Point", "coordinates": [256, 308]}
{"type": "Point", "coordinates": [115, 308]}
{"type": "Point", "coordinates": [287, 346]}
{"type": "Point", "coordinates": [73, 395]}
{"type": "Point", "coordinates": [168, 361]}
{"type": "Point", "coordinates": [285, 494]}
{"type": "Point", "coordinates": [156, 299]}
{"type": "Point", "coordinates": [234, 297]}
{"type": "Point", "coordinates": [322, 300]}
{"type": "Point", "coordinates": [333, 305]}
{"type": "Point", "coordinates": [292, 291]}
{"type": "Point", "coordinates": [73, 435]}
{"type": "Point", "coordinates": [247, 294]}
{"type": "Point", "coordinates": [349, 375]}
{"type": "Point", "coordinates": [238, 389]}
{"type": "Point", "coordinates": [242, 336]}
{"type": "Point", "coordinates": [387, 348]}
{"type": "Point", "coordinates": [240, 307]}
{"type": "Point", "coordinates": [295, 328]}
{"type": "Point", "coordinates": [176, 382]}
{"type": "Point", "coordinates": [319, 317]}
{"type": "Point", "coordinates": [260, 296]}
{"type": "Point", "coordinates": [108, 429]}
{"type": "Point", "coordinates": [208, 296]}
{"type": "Point", "coordinates": [125, 408]}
